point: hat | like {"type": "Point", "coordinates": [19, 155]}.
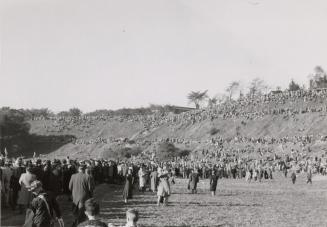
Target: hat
{"type": "Point", "coordinates": [34, 185]}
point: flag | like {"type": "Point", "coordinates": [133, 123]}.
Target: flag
{"type": "Point", "coordinates": [6, 152]}
{"type": "Point", "coordinates": [34, 155]}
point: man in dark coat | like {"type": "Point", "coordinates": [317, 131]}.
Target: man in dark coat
{"type": "Point", "coordinates": [82, 189]}
{"type": "Point", "coordinates": [42, 206]}
{"type": "Point", "coordinates": [56, 180]}
{"type": "Point", "coordinates": [193, 181]}
{"type": "Point", "coordinates": [213, 182]}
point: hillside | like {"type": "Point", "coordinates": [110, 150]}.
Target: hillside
{"type": "Point", "coordinates": [96, 136]}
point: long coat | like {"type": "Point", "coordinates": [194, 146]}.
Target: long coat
{"type": "Point", "coordinates": [194, 179]}
{"type": "Point", "coordinates": [81, 187]}
{"type": "Point", "coordinates": [142, 178]}
{"type": "Point", "coordinates": [128, 188]}
{"type": "Point", "coordinates": [164, 187]}
{"type": "Point", "coordinates": [154, 181]}
{"type": "Point", "coordinates": [213, 182]}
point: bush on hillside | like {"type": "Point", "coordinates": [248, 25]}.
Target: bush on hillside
{"type": "Point", "coordinates": [213, 131]}
{"type": "Point", "coordinates": [120, 153]}
{"type": "Point", "coordinates": [168, 151]}
{"type": "Point", "coordinates": [13, 127]}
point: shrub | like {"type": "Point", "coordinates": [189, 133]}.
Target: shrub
{"type": "Point", "coordinates": [214, 131]}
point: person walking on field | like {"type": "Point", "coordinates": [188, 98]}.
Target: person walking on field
{"type": "Point", "coordinates": [193, 181]}
{"type": "Point", "coordinates": [164, 187]}
{"type": "Point", "coordinates": [82, 188]}
{"type": "Point", "coordinates": [142, 178]}
{"type": "Point", "coordinates": [293, 177]}
{"type": "Point", "coordinates": [128, 189]}
{"type": "Point", "coordinates": [154, 180]}
{"type": "Point", "coordinates": [213, 182]}
{"type": "Point", "coordinates": [309, 176]}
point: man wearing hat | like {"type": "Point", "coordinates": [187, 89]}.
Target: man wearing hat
{"type": "Point", "coordinates": [82, 188]}
{"type": "Point", "coordinates": [42, 207]}
{"type": "Point", "coordinates": [5, 181]}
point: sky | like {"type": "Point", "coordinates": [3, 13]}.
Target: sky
{"type": "Point", "coordinates": [105, 54]}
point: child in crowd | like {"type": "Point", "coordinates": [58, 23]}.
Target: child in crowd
{"type": "Point", "coordinates": [132, 217]}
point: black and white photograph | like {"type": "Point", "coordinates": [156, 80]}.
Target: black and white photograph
{"type": "Point", "coordinates": [163, 113]}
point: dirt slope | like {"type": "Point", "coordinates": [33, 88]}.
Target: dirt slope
{"type": "Point", "coordinates": [272, 125]}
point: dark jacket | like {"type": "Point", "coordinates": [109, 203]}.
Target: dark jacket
{"type": "Point", "coordinates": [213, 182]}
{"type": "Point", "coordinates": [81, 187]}
{"type": "Point", "coordinates": [42, 217]}
{"type": "Point", "coordinates": [194, 179]}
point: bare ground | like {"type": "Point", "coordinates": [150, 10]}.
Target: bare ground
{"type": "Point", "coordinates": [237, 203]}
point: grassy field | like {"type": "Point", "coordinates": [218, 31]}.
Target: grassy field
{"type": "Point", "coordinates": [237, 203]}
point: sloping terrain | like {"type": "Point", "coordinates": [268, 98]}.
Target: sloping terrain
{"type": "Point", "coordinates": [88, 133]}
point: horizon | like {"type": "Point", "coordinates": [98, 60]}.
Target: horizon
{"type": "Point", "coordinates": [113, 55]}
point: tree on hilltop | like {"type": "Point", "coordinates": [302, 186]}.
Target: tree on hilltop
{"type": "Point", "coordinates": [212, 102]}
{"type": "Point", "coordinates": [319, 78]}
{"type": "Point", "coordinates": [75, 112]}
{"type": "Point", "coordinates": [197, 97]}
{"type": "Point", "coordinates": [293, 86]}
{"type": "Point", "coordinates": [257, 87]}
{"type": "Point", "coordinates": [13, 125]}
{"type": "Point", "coordinates": [232, 88]}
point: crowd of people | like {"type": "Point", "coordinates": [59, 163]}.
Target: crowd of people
{"type": "Point", "coordinates": [33, 186]}
{"type": "Point", "coordinates": [287, 103]}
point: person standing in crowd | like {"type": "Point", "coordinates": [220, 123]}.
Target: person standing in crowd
{"type": "Point", "coordinates": [128, 188]}
{"type": "Point", "coordinates": [55, 182]}
{"type": "Point", "coordinates": [164, 187]}
{"type": "Point", "coordinates": [88, 171]}
{"type": "Point", "coordinates": [309, 176]}
{"type": "Point", "coordinates": [46, 178]}
{"type": "Point", "coordinates": [18, 170]}
{"type": "Point", "coordinates": [193, 181]}
{"type": "Point", "coordinates": [82, 189]}
{"type": "Point", "coordinates": [25, 196]}
{"type": "Point", "coordinates": [42, 207]}
{"type": "Point", "coordinates": [142, 178]}
{"type": "Point", "coordinates": [5, 182]}
{"type": "Point", "coordinates": [293, 177]}
{"type": "Point", "coordinates": [38, 171]}
{"type": "Point", "coordinates": [132, 216]}
{"type": "Point", "coordinates": [92, 209]}
{"type": "Point", "coordinates": [154, 180]}
{"type": "Point", "coordinates": [111, 172]}
{"type": "Point", "coordinates": [213, 182]}
{"type": "Point", "coordinates": [67, 172]}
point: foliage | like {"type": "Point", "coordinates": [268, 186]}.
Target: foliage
{"type": "Point", "coordinates": [63, 114]}
{"type": "Point", "coordinates": [36, 113]}
{"type": "Point", "coordinates": [212, 102]}
{"type": "Point", "coordinates": [168, 151]}
{"type": "Point", "coordinates": [232, 88]}
{"type": "Point", "coordinates": [75, 112]}
{"type": "Point", "coordinates": [102, 112]}
{"type": "Point", "coordinates": [12, 122]}
{"type": "Point", "coordinates": [257, 87]}
{"type": "Point", "coordinates": [197, 97]}
{"type": "Point", "coordinates": [13, 127]}
{"type": "Point", "coordinates": [319, 78]}
{"type": "Point", "coordinates": [121, 153]}
{"type": "Point", "coordinates": [213, 131]}
{"type": "Point", "coordinates": [293, 86]}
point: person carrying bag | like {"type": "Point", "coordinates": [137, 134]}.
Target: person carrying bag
{"type": "Point", "coordinates": [40, 212]}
